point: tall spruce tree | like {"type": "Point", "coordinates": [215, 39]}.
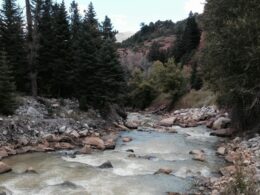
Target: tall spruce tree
{"type": "Point", "coordinates": [13, 40]}
{"type": "Point", "coordinates": [7, 87]}
{"type": "Point", "coordinates": [46, 48]}
{"type": "Point", "coordinates": [61, 52]}
{"type": "Point", "coordinates": [90, 43]}
{"type": "Point", "coordinates": [76, 50]}
{"type": "Point", "coordinates": [110, 72]}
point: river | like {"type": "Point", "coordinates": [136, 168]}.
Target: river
{"type": "Point", "coordinates": [59, 174]}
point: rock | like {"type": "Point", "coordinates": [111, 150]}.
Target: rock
{"type": "Point", "coordinates": [50, 138]}
{"type": "Point", "coordinates": [84, 133]}
{"type": "Point", "coordinates": [209, 124]}
{"type": "Point", "coordinates": [223, 132]}
{"type": "Point", "coordinates": [130, 150]}
{"type": "Point", "coordinates": [23, 141]}
{"type": "Point", "coordinates": [62, 129]}
{"type": "Point", "coordinates": [67, 184]}
{"type": "Point", "coordinates": [131, 156]}
{"type": "Point", "coordinates": [167, 122]}
{"type": "Point", "coordinates": [215, 192]}
{"type": "Point", "coordinates": [30, 170]}
{"type": "Point", "coordinates": [172, 131]}
{"type": "Point", "coordinates": [106, 165]}
{"type": "Point", "coordinates": [228, 171]}
{"type": "Point", "coordinates": [199, 157]}
{"type": "Point", "coordinates": [85, 150]}
{"type": "Point", "coordinates": [4, 168]}
{"type": "Point", "coordinates": [173, 193]}
{"type": "Point", "coordinates": [163, 171]}
{"type": "Point", "coordinates": [95, 141]}
{"type": "Point", "coordinates": [3, 153]}
{"type": "Point", "coordinates": [75, 134]}
{"type": "Point", "coordinates": [147, 157]}
{"type": "Point", "coordinates": [110, 144]}
{"type": "Point", "coordinates": [221, 123]}
{"type": "Point", "coordinates": [127, 139]}
{"type": "Point", "coordinates": [131, 125]}
{"type": "Point", "coordinates": [196, 152]}
{"type": "Point", "coordinates": [9, 150]}
{"type": "Point", "coordinates": [221, 151]}
{"type": "Point", "coordinates": [63, 145]}
{"type": "Point", "coordinates": [32, 112]}
{"type": "Point", "coordinates": [5, 191]}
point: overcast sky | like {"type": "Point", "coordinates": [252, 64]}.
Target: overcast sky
{"type": "Point", "coordinates": [127, 15]}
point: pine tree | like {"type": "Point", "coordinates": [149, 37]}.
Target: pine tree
{"type": "Point", "coordinates": [46, 48]}
{"type": "Point", "coordinates": [11, 31]}
{"type": "Point", "coordinates": [110, 72]}
{"type": "Point", "coordinates": [61, 52]}
{"type": "Point", "coordinates": [90, 43]}
{"type": "Point", "coordinates": [7, 87]}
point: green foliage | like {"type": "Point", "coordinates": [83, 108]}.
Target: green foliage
{"type": "Point", "coordinates": [232, 56]}
{"type": "Point", "coordinates": [7, 87]}
{"type": "Point", "coordinates": [157, 54]}
{"type": "Point", "coordinates": [162, 79]}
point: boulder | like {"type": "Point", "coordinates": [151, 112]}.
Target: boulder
{"type": "Point", "coordinates": [196, 152]}
{"type": "Point", "coordinates": [127, 139]}
{"type": "Point", "coordinates": [85, 150]}
{"type": "Point", "coordinates": [131, 125]}
{"type": "Point", "coordinates": [199, 157]}
{"type": "Point", "coordinates": [163, 171]}
{"type": "Point", "coordinates": [167, 122]}
{"type": "Point", "coordinates": [110, 144]}
{"type": "Point", "coordinates": [3, 153]}
{"type": "Point", "coordinates": [75, 134]}
{"type": "Point", "coordinates": [228, 171]}
{"type": "Point", "coordinates": [67, 184]}
{"type": "Point", "coordinates": [221, 123]}
{"type": "Point", "coordinates": [106, 165]}
{"type": "Point", "coordinates": [223, 132]}
{"type": "Point", "coordinates": [32, 112]}
{"type": "Point", "coordinates": [4, 168]}
{"type": "Point", "coordinates": [95, 142]}
{"type": "Point", "coordinates": [130, 150]}
{"type": "Point", "coordinates": [84, 133]}
{"type": "Point", "coordinates": [221, 151]}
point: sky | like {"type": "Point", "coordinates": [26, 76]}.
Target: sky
{"type": "Point", "coordinates": [127, 15]}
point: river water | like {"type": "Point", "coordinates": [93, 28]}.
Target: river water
{"type": "Point", "coordinates": [59, 174]}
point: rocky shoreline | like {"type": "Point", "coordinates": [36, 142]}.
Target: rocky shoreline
{"type": "Point", "coordinates": [45, 125]}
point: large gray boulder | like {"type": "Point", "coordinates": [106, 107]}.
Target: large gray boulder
{"type": "Point", "coordinates": [221, 123]}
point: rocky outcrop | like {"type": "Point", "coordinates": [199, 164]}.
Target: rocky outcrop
{"type": "Point", "coordinates": [223, 132]}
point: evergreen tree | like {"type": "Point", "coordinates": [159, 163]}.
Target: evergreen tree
{"type": "Point", "coordinates": [7, 87]}
{"type": "Point", "coordinates": [61, 52]}
{"type": "Point", "coordinates": [90, 43]}
{"type": "Point", "coordinates": [46, 47]}
{"type": "Point", "coordinates": [232, 57]}
{"type": "Point", "coordinates": [187, 41]}
{"type": "Point", "coordinates": [12, 37]}
{"type": "Point", "coordinates": [76, 50]}
{"type": "Point", "coordinates": [110, 72]}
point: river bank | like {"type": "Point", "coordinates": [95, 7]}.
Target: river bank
{"type": "Point", "coordinates": [55, 125]}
